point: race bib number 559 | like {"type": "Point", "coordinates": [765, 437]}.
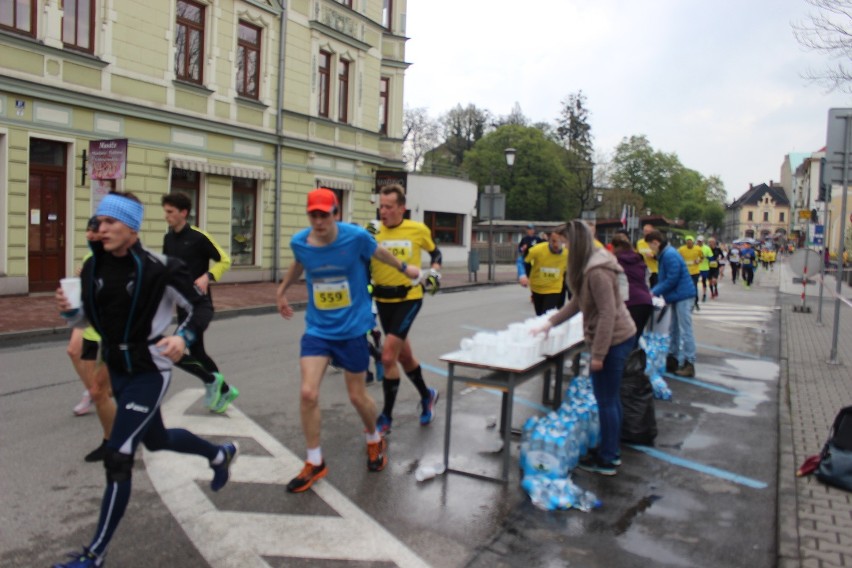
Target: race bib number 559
{"type": "Point", "coordinates": [332, 295]}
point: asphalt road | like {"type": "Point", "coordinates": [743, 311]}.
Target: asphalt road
{"type": "Point", "coordinates": [704, 496]}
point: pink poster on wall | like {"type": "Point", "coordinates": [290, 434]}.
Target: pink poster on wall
{"type": "Point", "coordinates": [107, 159]}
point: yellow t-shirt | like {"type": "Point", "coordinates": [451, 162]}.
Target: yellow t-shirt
{"type": "Point", "coordinates": [693, 257]}
{"type": "Point", "coordinates": [648, 255]}
{"type": "Point", "coordinates": [405, 241]}
{"type": "Point", "coordinates": [548, 269]}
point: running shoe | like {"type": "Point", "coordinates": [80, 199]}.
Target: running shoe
{"type": "Point", "coordinates": [377, 455]}
{"type": "Point", "coordinates": [84, 559]}
{"type": "Point", "coordinates": [595, 464]}
{"type": "Point", "coordinates": [428, 404]}
{"type": "Point", "coordinates": [85, 405]}
{"type": "Point", "coordinates": [226, 399]}
{"type": "Point", "coordinates": [97, 454]}
{"type": "Point", "coordinates": [383, 424]}
{"type": "Point", "coordinates": [212, 391]}
{"type": "Point", "coordinates": [222, 471]}
{"type": "Point", "coordinates": [380, 371]}
{"type": "Point", "coordinates": [306, 478]}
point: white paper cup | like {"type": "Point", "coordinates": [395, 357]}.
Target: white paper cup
{"type": "Point", "coordinates": [466, 344]}
{"type": "Point", "coordinates": [71, 288]}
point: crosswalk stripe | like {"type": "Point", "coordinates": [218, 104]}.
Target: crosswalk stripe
{"type": "Point", "coordinates": [228, 539]}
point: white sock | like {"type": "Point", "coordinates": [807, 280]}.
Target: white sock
{"type": "Point", "coordinates": [315, 456]}
{"type": "Point", "coordinates": [374, 437]}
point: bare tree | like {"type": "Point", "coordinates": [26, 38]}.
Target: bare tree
{"type": "Point", "coordinates": [420, 134]}
{"type": "Point", "coordinates": [829, 31]}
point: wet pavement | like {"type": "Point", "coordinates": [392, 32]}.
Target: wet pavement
{"type": "Point", "coordinates": [813, 525]}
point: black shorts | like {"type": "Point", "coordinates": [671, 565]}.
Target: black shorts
{"type": "Point", "coordinates": [90, 350]}
{"type": "Point", "coordinates": [396, 317]}
{"type": "Point", "coordinates": [714, 273]}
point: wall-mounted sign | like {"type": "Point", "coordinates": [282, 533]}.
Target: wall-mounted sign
{"type": "Point", "coordinates": [388, 177]}
{"type": "Point", "coordinates": [107, 159]}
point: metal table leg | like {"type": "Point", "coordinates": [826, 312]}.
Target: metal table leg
{"type": "Point", "coordinates": [449, 419]}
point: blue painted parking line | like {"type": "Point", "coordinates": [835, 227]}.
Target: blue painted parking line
{"type": "Point", "coordinates": [705, 385]}
{"type": "Point", "coordinates": [495, 392]}
{"type": "Point", "coordinates": [700, 467]}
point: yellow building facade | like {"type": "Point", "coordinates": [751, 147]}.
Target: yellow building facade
{"type": "Point", "coordinates": [761, 213]}
{"type": "Point", "coordinates": [152, 96]}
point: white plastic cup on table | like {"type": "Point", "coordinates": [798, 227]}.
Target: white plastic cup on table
{"type": "Point", "coordinates": [72, 289]}
{"type": "Point", "coordinates": [466, 344]}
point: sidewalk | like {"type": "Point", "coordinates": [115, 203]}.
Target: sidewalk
{"type": "Point", "coordinates": [814, 520]}
{"type": "Point", "coordinates": [35, 315]}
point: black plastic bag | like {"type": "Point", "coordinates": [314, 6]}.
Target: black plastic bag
{"type": "Point", "coordinates": [639, 423]}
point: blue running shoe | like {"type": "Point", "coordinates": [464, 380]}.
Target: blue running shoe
{"type": "Point", "coordinates": [380, 371]}
{"type": "Point", "coordinates": [84, 559]}
{"type": "Point", "coordinates": [428, 404]}
{"type": "Point", "coordinates": [222, 472]}
{"type": "Point", "coordinates": [383, 424]}
{"type": "Point", "coordinates": [212, 391]}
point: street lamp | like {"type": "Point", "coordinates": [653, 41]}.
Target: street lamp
{"type": "Point", "coordinates": [492, 192]}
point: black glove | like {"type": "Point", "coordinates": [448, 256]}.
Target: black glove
{"type": "Point", "coordinates": [372, 227]}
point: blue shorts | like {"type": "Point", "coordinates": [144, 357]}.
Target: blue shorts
{"type": "Point", "coordinates": [352, 355]}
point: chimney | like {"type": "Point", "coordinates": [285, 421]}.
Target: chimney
{"type": "Point", "coordinates": [751, 186]}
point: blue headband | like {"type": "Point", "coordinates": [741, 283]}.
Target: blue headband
{"type": "Point", "coordinates": [122, 209]}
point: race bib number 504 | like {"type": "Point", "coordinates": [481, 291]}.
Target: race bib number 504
{"type": "Point", "coordinates": [400, 249]}
{"type": "Point", "coordinates": [332, 295]}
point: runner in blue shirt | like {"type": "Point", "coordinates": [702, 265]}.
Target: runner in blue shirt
{"type": "Point", "coordinates": [334, 256]}
{"type": "Point", "coordinates": [748, 260]}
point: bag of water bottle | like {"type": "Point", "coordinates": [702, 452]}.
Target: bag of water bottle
{"type": "Point", "coordinates": [656, 346]}
{"type": "Point", "coordinates": [558, 494]}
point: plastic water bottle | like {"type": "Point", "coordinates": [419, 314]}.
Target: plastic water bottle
{"type": "Point", "coordinates": [425, 472]}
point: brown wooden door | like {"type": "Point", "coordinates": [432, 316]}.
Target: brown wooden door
{"type": "Point", "coordinates": [46, 224]}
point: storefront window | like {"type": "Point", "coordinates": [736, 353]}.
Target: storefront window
{"type": "Point", "coordinates": [243, 226]}
{"type": "Point", "coordinates": [446, 227]}
{"type": "Point", "coordinates": [189, 183]}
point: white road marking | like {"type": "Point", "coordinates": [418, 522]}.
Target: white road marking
{"type": "Point", "coordinates": [733, 315]}
{"type": "Point", "coordinates": [228, 539]}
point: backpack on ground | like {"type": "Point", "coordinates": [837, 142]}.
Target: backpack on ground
{"type": "Point", "coordinates": [835, 460]}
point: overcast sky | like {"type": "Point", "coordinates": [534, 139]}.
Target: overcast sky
{"type": "Point", "coordinates": [717, 82]}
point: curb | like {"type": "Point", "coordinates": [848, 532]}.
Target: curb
{"type": "Point", "coordinates": [15, 338]}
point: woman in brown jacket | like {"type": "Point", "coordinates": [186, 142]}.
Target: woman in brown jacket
{"type": "Point", "coordinates": [594, 276]}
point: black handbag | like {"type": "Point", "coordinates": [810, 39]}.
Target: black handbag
{"type": "Point", "coordinates": [835, 464]}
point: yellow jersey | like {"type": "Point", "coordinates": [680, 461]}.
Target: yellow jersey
{"type": "Point", "coordinates": [405, 241]}
{"type": "Point", "coordinates": [693, 257]}
{"type": "Point", "coordinates": [548, 269]}
{"type": "Point", "coordinates": [648, 255]}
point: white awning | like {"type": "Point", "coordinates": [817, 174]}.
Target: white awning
{"type": "Point", "coordinates": [219, 170]}
{"type": "Point", "coordinates": [332, 183]}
